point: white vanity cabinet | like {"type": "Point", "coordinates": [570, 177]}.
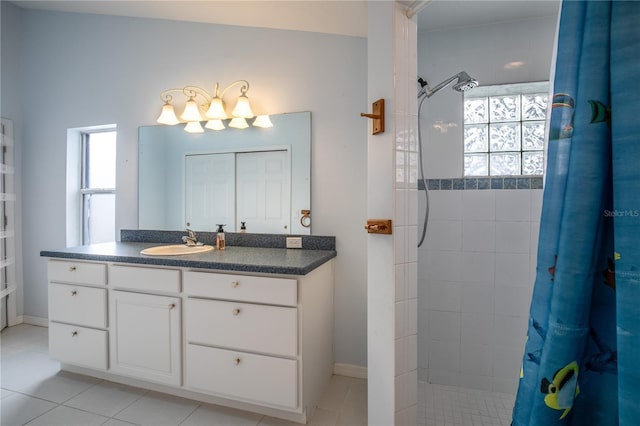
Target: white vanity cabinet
{"type": "Point", "coordinates": [264, 340]}
{"type": "Point", "coordinates": [145, 339]}
{"type": "Point", "coordinates": [255, 341]}
{"type": "Point", "coordinates": [78, 313]}
{"type": "Point", "coordinates": [239, 349]}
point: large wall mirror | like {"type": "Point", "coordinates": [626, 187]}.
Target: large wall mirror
{"type": "Point", "coordinates": [261, 177]}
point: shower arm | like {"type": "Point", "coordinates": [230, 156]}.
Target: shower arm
{"type": "Point", "coordinates": [430, 92]}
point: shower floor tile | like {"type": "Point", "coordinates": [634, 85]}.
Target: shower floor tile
{"type": "Point", "coordinates": [440, 405]}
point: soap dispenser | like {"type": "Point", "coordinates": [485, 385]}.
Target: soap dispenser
{"type": "Point", "coordinates": [243, 227]}
{"type": "Point", "coordinates": [220, 243]}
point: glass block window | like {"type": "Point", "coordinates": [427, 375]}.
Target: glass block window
{"type": "Point", "coordinates": [504, 129]}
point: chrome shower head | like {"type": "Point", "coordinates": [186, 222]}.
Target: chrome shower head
{"type": "Point", "coordinates": [464, 83]}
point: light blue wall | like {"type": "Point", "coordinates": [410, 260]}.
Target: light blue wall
{"type": "Point", "coordinates": [11, 45]}
{"type": "Point", "coordinates": [11, 108]}
{"type": "Point", "coordinates": [83, 70]}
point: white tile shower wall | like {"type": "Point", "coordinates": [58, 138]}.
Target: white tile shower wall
{"type": "Point", "coordinates": [476, 269]}
{"type": "Point", "coordinates": [392, 177]}
{"type": "Point", "coordinates": [405, 218]}
{"type": "Point", "coordinates": [382, 269]}
{"type": "Point", "coordinates": [475, 290]}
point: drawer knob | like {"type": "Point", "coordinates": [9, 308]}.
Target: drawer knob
{"type": "Point", "coordinates": [72, 268]}
{"type": "Point", "coordinates": [171, 306]}
{"type": "Point", "coordinates": [235, 284]}
{"type": "Point", "coordinates": [236, 311]}
{"type": "Point", "coordinates": [74, 333]}
{"type": "Point", "coordinates": [74, 292]}
{"type": "Point", "coordinates": [237, 361]}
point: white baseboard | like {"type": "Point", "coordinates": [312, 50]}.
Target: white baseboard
{"type": "Point", "coordinates": [15, 321]}
{"type": "Point", "coordinates": [350, 370]}
{"type": "Point", "coordinates": [39, 321]}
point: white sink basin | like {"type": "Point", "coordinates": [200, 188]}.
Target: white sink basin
{"type": "Point", "coordinates": [175, 250]}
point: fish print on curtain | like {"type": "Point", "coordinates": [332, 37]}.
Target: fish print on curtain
{"type": "Point", "coordinates": [581, 363]}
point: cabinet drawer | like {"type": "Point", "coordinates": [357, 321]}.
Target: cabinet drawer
{"type": "Point", "coordinates": [144, 279]}
{"type": "Point", "coordinates": [78, 345]}
{"type": "Point", "coordinates": [243, 326]}
{"type": "Point", "coordinates": [256, 378]}
{"type": "Point", "coordinates": [78, 305]}
{"type": "Point", "coordinates": [77, 272]}
{"type": "Point", "coordinates": [276, 291]}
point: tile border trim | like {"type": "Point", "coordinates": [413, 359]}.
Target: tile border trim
{"type": "Point", "coordinates": [480, 183]}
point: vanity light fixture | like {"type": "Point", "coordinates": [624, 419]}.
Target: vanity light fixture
{"type": "Point", "coordinates": [191, 111]}
{"type": "Point", "coordinates": [168, 115]}
{"type": "Point", "coordinates": [214, 125]}
{"type": "Point", "coordinates": [202, 106]}
{"type": "Point", "coordinates": [243, 107]}
{"type": "Point", "coordinates": [263, 121]}
{"type": "Point", "coordinates": [193, 127]}
{"type": "Point", "coordinates": [238, 123]}
{"type": "Point", "coordinates": [216, 109]}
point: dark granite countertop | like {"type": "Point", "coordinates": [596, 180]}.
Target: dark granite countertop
{"type": "Point", "coordinates": [241, 259]}
{"type": "Point", "coordinates": [234, 258]}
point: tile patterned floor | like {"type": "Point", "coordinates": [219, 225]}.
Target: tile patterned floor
{"type": "Point", "coordinates": [36, 392]}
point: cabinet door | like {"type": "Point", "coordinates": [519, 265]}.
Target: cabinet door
{"type": "Point", "coordinates": [145, 336]}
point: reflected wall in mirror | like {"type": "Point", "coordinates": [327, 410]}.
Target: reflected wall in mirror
{"type": "Point", "coordinates": [258, 176]}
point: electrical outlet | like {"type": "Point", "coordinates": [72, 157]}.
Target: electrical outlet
{"type": "Point", "coordinates": [294, 242]}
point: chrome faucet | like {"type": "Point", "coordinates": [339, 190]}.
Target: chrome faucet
{"type": "Point", "coordinates": [191, 239]}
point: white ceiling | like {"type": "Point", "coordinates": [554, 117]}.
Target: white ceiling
{"type": "Point", "coordinates": [334, 17]}
{"type": "Point", "coordinates": [440, 14]}
{"type": "Point", "coordinates": [326, 16]}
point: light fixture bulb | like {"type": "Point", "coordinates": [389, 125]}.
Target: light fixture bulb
{"type": "Point", "coordinates": [191, 111]}
{"type": "Point", "coordinates": [168, 115]}
{"type": "Point", "coordinates": [214, 125]}
{"type": "Point", "coordinates": [262, 121]}
{"type": "Point", "coordinates": [243, 108]}
{"type": "Point", "coordinates": [238, 123]}
{"type": "Point", "coordinates": [193, 127]}
{"type": "Point", "coordinates": [216, 110]}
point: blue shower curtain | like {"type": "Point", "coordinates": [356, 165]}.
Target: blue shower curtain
{"type": "Point", "coordinates": [581, 364]}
